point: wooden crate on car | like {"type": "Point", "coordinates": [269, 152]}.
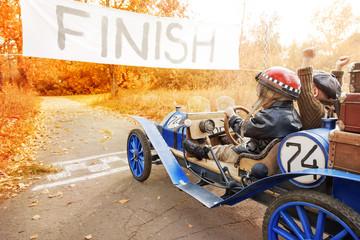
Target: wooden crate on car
{"type": "Point", "coordinates": [355, 77]}
{"type": "Point", "coordinates": [344, 151]}
{"type": "Point", "coordinates": [349, 119]}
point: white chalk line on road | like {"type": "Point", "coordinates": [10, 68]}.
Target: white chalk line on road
{"type": "Point", "coordinates": [88, 158]}
{"type": "Point", "coordinates": [78, 164]}
{"type": "Point", "coordinates": [88, 177]}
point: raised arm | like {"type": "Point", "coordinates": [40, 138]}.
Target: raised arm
{"type": "Point", "coordinates": [343, 60]}
{"type": "Point", "coordinates": [338, 73]}
{"type": "Point", "coordinates": [308, 55]}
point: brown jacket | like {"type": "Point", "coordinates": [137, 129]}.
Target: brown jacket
{"type": "Point", "coordinates": [311, 110]}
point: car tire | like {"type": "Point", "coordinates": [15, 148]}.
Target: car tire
{"type": "Point", "coordinates": [320, 215]}
{"type": "Point", "coordinates": [139, 155]}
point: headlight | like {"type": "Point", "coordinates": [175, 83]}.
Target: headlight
{"type": "Point", "coordinates": [187, 123]}
{"type": "Point", "coordinates": [207, 126]}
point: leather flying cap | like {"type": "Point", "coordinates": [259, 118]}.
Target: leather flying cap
{"type": "Point", "coordinates": [327, 83]}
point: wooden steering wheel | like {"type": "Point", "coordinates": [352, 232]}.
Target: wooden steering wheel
{"type": "Point", "coordinates": [227, 128]}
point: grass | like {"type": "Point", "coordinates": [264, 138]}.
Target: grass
{"type": "Point", "coordinates": [156, 104]}
{"type": "Point", "coordinates": [88, 99]}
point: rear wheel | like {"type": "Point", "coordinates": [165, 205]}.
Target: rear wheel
{"type": "Point", "coordinates": [139, 155]}
{"type": "Point", "coordinates": [310, 215]}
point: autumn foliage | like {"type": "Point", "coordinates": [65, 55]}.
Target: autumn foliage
{"type": "Point", "coordinates": [19, 137]}
{"type": "Point", "coordinates": [337, 35]}
{"type": "Point", "coordinates": [154, 92]}
{"type": "Point", "coordinates": [17, 111]}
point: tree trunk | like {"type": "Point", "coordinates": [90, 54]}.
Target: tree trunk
{"type": "Point", "coordinates": [113, 81]}
{"type": "Point", "coordinates": [113, 78]}
{"type": "Point", "coordinates": [23, 80]}
{"type": "Point", "coordinates": [1, 80]}
{"type": "Point", "coordinates": [11, 72]}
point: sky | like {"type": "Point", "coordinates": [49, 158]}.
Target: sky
{"type": "Point", "coordinates": [295, 16]}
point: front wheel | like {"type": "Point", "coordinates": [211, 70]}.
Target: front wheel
{"type": "Point", "coordinates": [139, 155]}
{"type": "Point", "coordinates": [308, 214]}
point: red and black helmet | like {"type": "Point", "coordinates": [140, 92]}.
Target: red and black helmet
{"type": "Point", "coordinates": [281, 80]}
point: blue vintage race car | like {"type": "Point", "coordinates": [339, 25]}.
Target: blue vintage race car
{"type": "Point", "coordinates": [308, 197]}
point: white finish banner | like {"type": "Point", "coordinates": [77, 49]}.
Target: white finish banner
{"type": "Point", "coordinates": [69, 30]}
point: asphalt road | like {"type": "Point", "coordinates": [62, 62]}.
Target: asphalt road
{"type": "Point", "coordinates": [94, 196]}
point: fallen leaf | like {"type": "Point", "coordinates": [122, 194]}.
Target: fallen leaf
{"type": "Point", "coordinates": [88, 237]}
{"type": "Point", "coordinates": [34, 236]}
{"type": "Point", "coordinates": [56, 194]}
{"type": "Point", "coordinates": [34, 204]}
{"type": "Point", "coordinates": [45, 191]}
{"type": "Point", "coordinates": [70, 202]}
{"type": "Point", "coordinates": [95, 162]}
{"type": "Point", "coordinates": [21, 185]}
{"type": "Point", "coordinates": [158, 198]}
{"type": "Point", "coordinates": [122, 201]}
{"type": "Point", "coordinates": [36, 217]}
{"type": "Point", "coordinates": [72, 185]}
{"type": "Point", "coordinates": [190, 226]}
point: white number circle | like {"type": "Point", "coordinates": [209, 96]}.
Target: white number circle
{"type": "Point", "coordinates": [174, 121]}
{"type": "Point", "coordinates": [299, 153]}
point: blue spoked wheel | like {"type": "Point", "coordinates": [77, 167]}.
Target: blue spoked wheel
{"type": "Point", "coordinates": [308, 214]}
{"type": "Point", "coordinates": [139, 155]}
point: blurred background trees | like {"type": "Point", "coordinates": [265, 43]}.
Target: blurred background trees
{"type": "Point", "coordinates": [337, 34]}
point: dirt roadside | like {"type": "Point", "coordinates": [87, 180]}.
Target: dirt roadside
{"type": "Point", "coordinates": [94, 195]}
